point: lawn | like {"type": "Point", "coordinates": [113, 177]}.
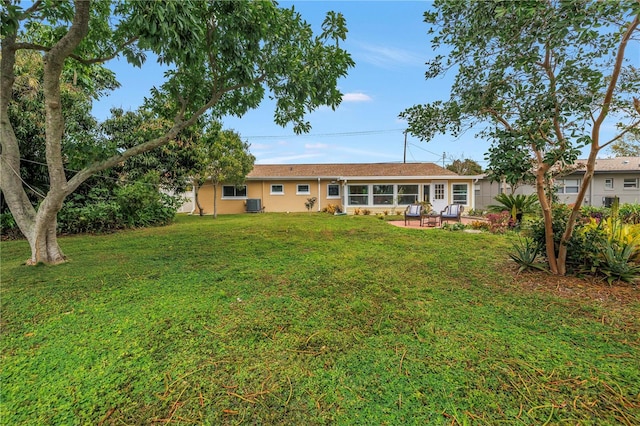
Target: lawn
{"type": "Point", "coordinates": [308, 319]}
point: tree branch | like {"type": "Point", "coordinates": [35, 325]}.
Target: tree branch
{"type": "Point", "coordinates": [595, 131]}
{"type": "Point", "coordinates": [34, 46]}
{"type": "Point", "coordinates": [624, 132]}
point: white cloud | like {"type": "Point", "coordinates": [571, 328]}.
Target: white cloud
{"type": "Point", "coordinates": [356, 97]}
{"type": "Point", "coordinates": [316, 146]}
{"type": "Point", "coordinates": [388, 57]}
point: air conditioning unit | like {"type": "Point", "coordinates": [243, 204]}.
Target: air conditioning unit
{"type": "Point", "coordinates": [254, 205]}
{"type": "Point", "coordinates": [608, 201]}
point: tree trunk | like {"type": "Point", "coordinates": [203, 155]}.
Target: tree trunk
{"type": "Point", "coordinates": [44, 244]}
{"type": "Point", "coordinates": [196, 190]}
{"type": "Point", "coordinates": [548, 223]}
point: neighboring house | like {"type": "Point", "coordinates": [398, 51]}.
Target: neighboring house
{"type": "Point", "coordinates": [376, 187]}
{"type": "Point", "coordinates": [613, 177]}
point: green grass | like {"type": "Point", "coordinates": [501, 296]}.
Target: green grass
{"type": "Point", "coordinates": [304, 319]}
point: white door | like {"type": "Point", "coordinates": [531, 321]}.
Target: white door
{"type": "Point", "coordinates": [439, 195]}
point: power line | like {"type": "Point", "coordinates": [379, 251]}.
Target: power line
{"type": "Point", "coordinates": [317, 135]}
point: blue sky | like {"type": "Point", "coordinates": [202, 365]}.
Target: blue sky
{"type": "Point", "coordinates": [388, 41]}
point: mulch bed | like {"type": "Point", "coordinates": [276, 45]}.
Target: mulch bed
{"type": "Point", "coordinates": [617, 294]}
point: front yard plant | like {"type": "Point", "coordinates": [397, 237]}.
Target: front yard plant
{"type": "Point", "coordinates": [309, 319]}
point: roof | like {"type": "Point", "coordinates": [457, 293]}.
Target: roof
{"type": "Point", "coordinates": [612, 165]}
{"type": "Point", "coordinates": [360, 170]}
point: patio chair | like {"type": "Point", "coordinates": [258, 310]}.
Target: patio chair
{"type": "Point", "coordinates": [451, 212]}
{"type": "Point", "coordinates": [413, 211]}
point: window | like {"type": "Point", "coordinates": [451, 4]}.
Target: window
{"type": "Point", "coordinates": [333, 190]}
{"type": "Point", "coordinates": [277, 189]}
{"type": "Point", "coordinates": [426, 193]}
{"type": "Point", "coordinates": [608, 183]}
{"type": "Point", "coordinates": [358, 195]}
{"type": "Point", "coordinates": [568, 186]}
{"type": "Point", "coordinates": [232, 191]}
{"type": "Point", "coordinates": [460, 191]}
{"type": "Point", "coordinates": [303, 189]}
{"type": "Point", "coordinates": [630, 183]}
{"type": "Point", "coordinates": [383, 195]}
{"type": "Point", "coordinates": [408, 194]}
{"type": "Point", "coordinates": [438, 190]}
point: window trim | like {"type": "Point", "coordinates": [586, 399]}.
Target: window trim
{"type": "Point", "coordinates": [235, 191]}
{"type": "Point", "coordinates": [272, 192]}
{"type": "Point", "coordinates": [609, 188]}
{"type": "Point", "coordinates": [562, 187]}
{"type": "Point", "coordinates": [466, 193]}
{"type": "Point", "coordinates": [632, 181]}
{"type": "Point", "coordinates": [333, 197]}
{"type": "Point", "coordinates": [298, 192]}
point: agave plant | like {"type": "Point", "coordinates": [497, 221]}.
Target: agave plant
{"type": "Point", "coordinates": [516, 205]}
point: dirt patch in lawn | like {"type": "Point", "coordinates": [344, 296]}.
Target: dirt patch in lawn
{"type": "Point", "coordinates": [617, 294]}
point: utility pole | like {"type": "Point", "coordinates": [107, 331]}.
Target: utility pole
{"type": "Point", "coordinates": [444, 158]}
{"type": "Point", "coordinates": [405, 147]}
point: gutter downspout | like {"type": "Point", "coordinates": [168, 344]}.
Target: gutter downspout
{"type": "Point", "coordinates": [319, 197]}
{"type": "Point", "coordinates": [475, 182]}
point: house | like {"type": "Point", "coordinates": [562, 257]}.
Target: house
{"type": "Point", "coordinates": [377, 187]}
{"type": "Point", "coordinates": [613, 177]}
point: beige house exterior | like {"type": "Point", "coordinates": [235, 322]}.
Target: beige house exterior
{"type": "Point", "coordinates": [376, 187]}
{"type": "Point", "coordinates": [612, 178]}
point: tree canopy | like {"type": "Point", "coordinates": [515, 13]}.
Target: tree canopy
{"type": "Point", "coordinates": [542, 79]}
{"type": "Point", "coordinates": [465, 167]}
{"type": "Point", "coordinates": [223, 58]}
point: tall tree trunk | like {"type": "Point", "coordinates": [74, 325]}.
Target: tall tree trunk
{"type": "Point", "coordinates": [548, 222]}
{"type": "Point", "coordinates": [44, 241]}
{"type": "Point", "coordinates": [196, 190]}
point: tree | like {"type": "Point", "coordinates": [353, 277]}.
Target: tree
{"type": "Point", "coordinates": [223, 158]}
{"type": "Point", "coordinates": [628, 146]}
{"type": "Point", "coordinates": [223, 58]}
{"type": "Point", "coordinates": [466, 167]}
{"type": "Point", "coordinates": [543, 78]}
{"type": "Point", "coordinates": [172, 163]}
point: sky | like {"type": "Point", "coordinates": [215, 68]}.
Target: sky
{"type": "Point", "coordinates": [389, 43]}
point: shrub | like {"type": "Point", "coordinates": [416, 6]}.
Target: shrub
{"type": "Point", "coordinates": [630, 213]}
{"type": "Point", "coordinates": [366, 212]}
{"type": "Point", "coordinates": [606, 247]}
{"type": "Point", "coordinates": [480, 224]}
{"type": "Point", "coordinates": [454, 227]}
{"type": "Point", "coordinates": [597, 213]}
{"type": "Point", "coordinates": [357, 211]}
{"type": "Point", "coordinates": [8, 227]}
{"type": "Point", "coordinates": [498, 222]}
{"type": "Point", "coordinates": [525, 252]}
{"type": "Point", "coordinates": [332, 209]}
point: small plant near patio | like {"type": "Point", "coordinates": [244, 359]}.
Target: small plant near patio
{"type": "Point", "coordinates": [357, 211]}
{"type": "Point", "coordinates": [457, 226]}
{"type": "Point", "coordinates": [476, 212]}
{"type": "Point", "coordinates": [480, 225]}
{"type": "Point", "coordinates": [517, 205]}
{"type": "Point", "coordinates": [366, 212]}
{"type": "Point", "coordinates": [499, 222]}
{"type": "Point", "coordinates": [385, 212]}
{"type": "Point", "coordinates": [310, 203]}
{"type": "Point", "coordinates": [332, 209]}
{"type": "Point", "coordinates": [524, 252]}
